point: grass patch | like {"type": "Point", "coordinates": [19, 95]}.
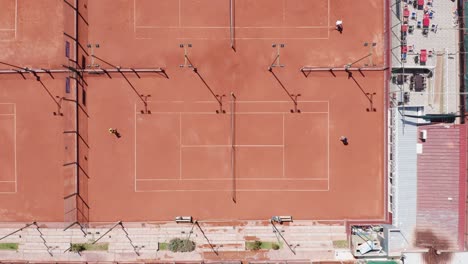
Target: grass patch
{"type": "Point", "coordinates": [163, 246]}
{"type": "Point", "coordinates": [340, 244]}
{"type": "Point", "coordinates": [257, 245]}
{"type": "Point", "coordinates": [8, 246]}
{"type": "Point", "coordinates": [79, 247]}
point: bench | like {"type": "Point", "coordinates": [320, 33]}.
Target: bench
{"type": "Point", "coordinates": [183, 219]}
{"type": "Point", "coordinates": [282, 218]}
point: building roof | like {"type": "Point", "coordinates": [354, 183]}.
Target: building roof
{"type": "Point", "coordinates": [441, 181]}
{"type": "Point", "coordinates": [405, 181]}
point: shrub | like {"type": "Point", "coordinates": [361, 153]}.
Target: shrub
{"type": "Point", "coordinates": [340, 243]}
{"type": "Point", "coordinates": [163, 246]}
{"type": "Point", "coordinates": [8, 246]}
{"type": "Point", "coordinates": [80, 247]}
{"type": "Point", "coordinates": [257, 245]}
{"type": "Point", "coordinates": [181, 245]}
{"type": "Point", "coordinates": [174, 244]}
{"type": "Point", "coordinates": [77, 248]}
{"type": "Point", "coordinates": [187, 246]}
{"type": "Point", "coordinates": [275, 246]}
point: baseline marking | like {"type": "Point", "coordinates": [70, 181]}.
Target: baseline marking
{"type": "Point", "coordinates": [328, 144]}
{"type": "Point", "coordinates": [284, 173]}
{"type": "Point", "coordinates": [224, 27]}
{"type": "Point", "coordinates": [225, 146]}
{"type": "Point", "coordinates": [135, 183]}
{"type": "Point", "coordinates": [227, 112]}
{"type": "Point", "coordinates": [242, 179]}
{"type": "Point", "coordinates": [180, 144]}
{"type": "Point", "coordinates": [14, 136]}
{"type": "Point", "coordinates": [134, 16]}
{"type": "Point", "coordinates": [16, 16]}
{"type": "Point", "coordinates": [239, 190]}
{"type": "Point", "coordinates": [328, 17]}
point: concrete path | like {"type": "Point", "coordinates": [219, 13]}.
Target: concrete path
{"type": "Point", "coordinates": [308, 241]}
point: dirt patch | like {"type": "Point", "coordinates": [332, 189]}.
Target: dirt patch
{"type": "Point", "coordinates": [245, 256]}
{"type": "Point", "coordinates": [251, 238]}
{"type": "Point", "coordinates": [435, 244]}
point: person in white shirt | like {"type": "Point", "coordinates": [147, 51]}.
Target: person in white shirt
{"type": "Point", "coordinates": [339, 26]}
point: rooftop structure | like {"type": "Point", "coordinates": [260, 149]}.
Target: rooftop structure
{"type": "Point", "coordinates": [425, 55]}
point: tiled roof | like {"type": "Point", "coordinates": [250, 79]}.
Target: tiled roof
{"type": "Point", "coordinates": [441, 191]}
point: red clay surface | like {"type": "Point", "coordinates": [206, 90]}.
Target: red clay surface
{"type": "Point", "coordinates": [178, 159]}
{"type": "Point", "coordinates": [31, 137]}
{"type": "Point", "coordinates": [8, 150]}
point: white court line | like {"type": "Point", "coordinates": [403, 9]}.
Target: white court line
{"type": "Point", "coordinates": [328, 17]}
{"type": "Point", "coordinates": [7, 181]}
{"type": "Point", "coordinates": [134, 17]}
{"type": "Point", "coordinates": [245, 38]}
{"type": "Point", "coordinates": [14, 136]}
{"type": "Point", "coordinates": [180, 144]}
{"type": "Point", "coordinates": [7, 29]}
{"type": "Point", "coordinates": [225, 146]}
{"type": "Point", "coordinates": [239, 190]}
{"type": "Point", "coordinates": [284, 173]}
{"type": "Point", "coordinates": [284, 11]}
{"type": "Point", "coordinates": [227, 27]}
{"type": "Point", "coordinates": [7, 114]}
{"type": "Point", "coordinates": [227, 112]}
{"type": "Point", "coordinates": [179, 14]}
{"type": "Point", "coordinates": [240, 102]}
{"type": "Point", "coordinates": [240, 179]}
{"type": "Point", "coordinates": [135, 149]}
{"type": "Point", "coordinates": [16, 16]}
{"type": "Point", "coordinates": [328, 145]}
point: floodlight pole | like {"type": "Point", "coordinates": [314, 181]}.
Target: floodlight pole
{"type": "Point", "coordinates": [233, 148]}
{"type": "Point", "coordinates": [279, 233]}
{"type": "Point", "coordinates": [276, 61]}
{"type": "Point", "coordinates": [18, 230]}
{"type": "Point", "coordinates": [107, 232]}
{"type": "Point", "coordinates": [130, 240]}
{"type": "Point", "coordinates": [371, 108]}
{"type": "Point", "coordinates": [347, 66]}
{"type": "Point", "coordinates": [204, 235]}
{"type": "Point", "coordinates": [218, 97]}
{"type": "Point", "coordinates": [75, 223]}
{"type": "Point", "coordinates": [191, 230]}
{"type": "Point", "coordinates": [128, 81]}
{"type": "Point", "coordinates": [293, 97]}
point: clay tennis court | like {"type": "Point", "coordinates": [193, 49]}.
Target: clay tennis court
{"type": "Point", "coordinates": [230, 129]}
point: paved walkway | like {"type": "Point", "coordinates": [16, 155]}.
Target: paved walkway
{"type": "Point", "coordinates": [309, 241]}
